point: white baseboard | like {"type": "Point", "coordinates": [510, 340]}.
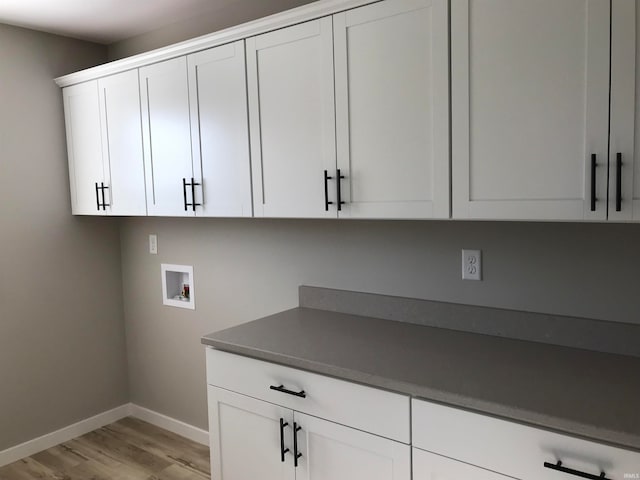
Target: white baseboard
{"type": "Point", "coordinates": [65, 434]}
{"type": "Point", "coordinates": [87, 425]}
{"type": "Point", "coordinates": [176, 426]}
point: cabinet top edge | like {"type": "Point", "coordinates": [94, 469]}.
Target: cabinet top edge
{"type": "Point", "coordinates": [317, 9]}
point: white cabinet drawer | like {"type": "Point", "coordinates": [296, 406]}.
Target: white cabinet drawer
{"type": "Point", "coordinates": [513, 449]}
{"type": "Point", "coordinates": [429, 466]}
{"type": "Point", "coordinates": [372, 410]}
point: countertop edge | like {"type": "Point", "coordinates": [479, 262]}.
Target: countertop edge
{"type": "Point", "coordinates": [555, 424]}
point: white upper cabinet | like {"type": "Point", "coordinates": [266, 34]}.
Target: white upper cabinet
{"type": "Point", "coordinates": [530, 108]}
{"type": "Point", "coordinates": [104, 141]}
{"type": "Point", "coordinates": [399, 109]}
{"type": "Point", "coordinates": [84, 148]}
{"type": "Point", "coordinates": [292, 120]}
{"type": "Point", "coordinates": [122, 144]}
{"type": "Point", "coordinates": [392, 109]}
{"type": "Point", "coordinates": [624, 176]}
{"type": "Point", "coordinates": [167, 138]}
{"type": "Point", "coordinates": [220, 131]}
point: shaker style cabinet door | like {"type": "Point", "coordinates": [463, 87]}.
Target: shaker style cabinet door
{"type": "Point", "coordinates": [246, 438]}
{"type": "Point", "coordinates": [530, 109]}
{"type": "Point", "coordinates": [624, 152]}
{"type": "Point", "coordinates": [84, 148]}
{"type": "Point", "coordinates": [428, 466]}
{"type": "Point", "coordinates": [220, 131]}
{"type": "Point", "coordinates": [292, 120]}
{"type": "Point", "coordinates": [334, 452]}
{"type": "Point", "coordinates": [122, 144]}
{"type": "Point", "coordinates": [392, 109]}
{"type": "Point", "coordinates": [167, 138]}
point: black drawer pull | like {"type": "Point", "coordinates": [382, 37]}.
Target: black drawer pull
{"type": "Point", "coordinates": [184, 192]}
{"type": "Point", "coordinates": [280, 388]}
{"type": "Point", "coordinates": [339, 177]}
{"type": "Point", "coordinates": [594, 199]}
{"type": "Point", "coordinates": [283, 450]}
{"type": "Point", "coordinates": [97, 197]}
{"type": "Point", "coordinates": [193, 194]}
{"type": "Point", "coordinates": [104, 202]}
{"type": "Point", "coordinates": [558, 466]}
{"type": "Point", "coordinates": [619, 182]}
{"type": "Point", "coordinates": [296, 454]}
{"type": "Point", "coordinates": [326, 191]}
{"type": "Point", "coordinates": [193, 185]}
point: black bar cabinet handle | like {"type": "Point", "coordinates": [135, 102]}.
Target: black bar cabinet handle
{"type": "Point", "coordinates": [97, 197]}
{"type": "Point", "coordinates": [593, 182]}
{"type": "Point", "coordinates": [558, 466]}
{"type": "Point", "coordinates": [282, 449]}
{"type": "Point", "coordinates": [619, 182]}
{"type": "Point", "coordinates": [280, 388]}
{"type": "Point", "coordinates": [339, 177]}
{"type": "Point", "coordinates": [326, 191]}
{"type": "Point", "coordinates": [184, 192]}
{"type": "Point", "coordinates": [104, 202]}
{"type": "Point", "coordinates": [193, 194]}
{"type": "Point", "coordinates": [296, 454]}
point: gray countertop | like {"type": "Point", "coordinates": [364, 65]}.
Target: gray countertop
{"type": "Point", "coordinates": [580, 392]}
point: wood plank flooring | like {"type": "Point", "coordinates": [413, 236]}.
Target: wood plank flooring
{"type": "Point", "coordinates": [129, 449]}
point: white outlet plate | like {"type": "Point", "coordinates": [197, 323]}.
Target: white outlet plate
{"type": "Point", "coordinates": [471, 264]}
{"type": "Point", "coordinates": [153, 244]}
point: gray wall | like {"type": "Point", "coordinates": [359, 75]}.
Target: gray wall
{"type": "Point", "coordinates": [62, 348]}
{"type": "Point", "coordinates": [249, 268]}
{"type": "Point", "coordinates": [226, 14]}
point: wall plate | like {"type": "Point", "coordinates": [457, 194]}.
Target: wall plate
{"type": "Point", "coordinates": [174, 292]}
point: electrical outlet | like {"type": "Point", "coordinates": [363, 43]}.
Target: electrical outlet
{"type": "Point", "coordinates": [153, 244]}
{"type": "Point", "coordinates": [471, 264]}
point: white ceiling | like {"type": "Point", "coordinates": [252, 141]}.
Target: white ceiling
{"type": "Point", "coordinates": [102, 21]}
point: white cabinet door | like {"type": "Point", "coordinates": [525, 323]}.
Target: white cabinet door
{"type": "Point", "coordinates": [334, 452]}
{"type": "Point", "coordinates": [167, 137]}
{"type": "Point", "coordinates": [245, 438]}
{"type": "Point", "coordinates": [220, 133]}
{"type": "Point", "coordinates": [291, 110]}
{"type": "Point", "coordinates": [624, 155]}
{"type": "Point", "coordinates": [122, 144]}
{"type": "Point", "coordinates": [633, 191]}
{"type": "Point", "coordinates": [392, 109]}
{"type": "Point", "coordinates": [428, 466]}
{"type": "Point", "coordinates": [530, 106]}
{"type": "Point", "coordinates": [84, 147]}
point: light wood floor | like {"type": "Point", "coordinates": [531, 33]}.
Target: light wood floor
{"type": "Point", "coordinates": [129, 449]}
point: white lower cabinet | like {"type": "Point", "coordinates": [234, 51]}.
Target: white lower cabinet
{"type": "Point", "coordinates": [509, 448]}
{"type": "Point", "coordinates": [333, 452]}
{"type": "Point", "coordinates": [272, 422]}
{"type": "Point", "coordinates": [428, 466]}
{"type": "Point", "coordinates": [252, 438]}
{"type": "Point", "coordinates": [245, 438]}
